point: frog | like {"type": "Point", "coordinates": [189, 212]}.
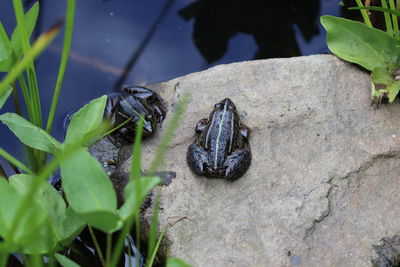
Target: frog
{"type": "Point", "coordinates": [131, 103]}
{"type": "Point", "coordinates": [222, 148]}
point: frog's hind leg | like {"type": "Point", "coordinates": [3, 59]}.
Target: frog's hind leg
{"type": "Point", "coordinates": [237, 164]}
{"type": "Point", "coordinates": [197, 157]}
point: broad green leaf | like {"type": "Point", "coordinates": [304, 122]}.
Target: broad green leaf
{"type": "Point", "coordinates": [30, 22]}
{"type": "Point", "coordinates": [8, 196]}
{"type": "Point", "coordinates": [86, 120]}
{"type": "Point", "coordinates": [72, 226]}
{"type": "Point", "coordinates": [105, 221]}
{"type": "Point", "coordinates": [64, 261]}
{"type": "Point", "coordinates": [30, 224]}
{"type": "Point", "coordinates": [30, 134]}
{"type": "Point", "coordinates": [358, 43]}
{"type": "Point", "coordinates": [176, 262]}
{"type": "Point", "coordinates": [382, 76]}
{"type": "Point", "coordinates": [6, 53]}
{"type": "Point", "coordinates": [62, 224]}
{"type": "Point", "coordinates": [132, 201]}
{"type": "Point", "coordinates": [4, 95]}
{"type": "Point", "coordinates": [86, 186]}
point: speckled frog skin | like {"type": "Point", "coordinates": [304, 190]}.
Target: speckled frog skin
{"type": "Point", "coordinates": [222, 147]}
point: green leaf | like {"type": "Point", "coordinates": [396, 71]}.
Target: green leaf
{"type": "Point", "coordinates": [29, 134]}
{"type": "Point", "coordinates": [86, 120]}
{"type": "Point", "coordinates": [89, 190]}
{"type": "Point", "coordinates": [30, 22]}
{"type": "Point", "coordinates": [72, 226]}
{"type": "Point", "coordinates": [64, 261]}
{"type": "Point", "coordinates": [106, 221]}
{"type": "Point", "coordinates": [6, 53]}
{"type": "Point", "coordinates": [40, 44]}
{"type": "Point", "coordinates": [377, 8]}
{"type": "Point", "coordinates": [30, 230]}
{"type": "Point", "coordinates": [4, 95]}
{"type": "Point", "coordinates": [132, 201]}
{"type": "Point", "coordinates": [176, 262]}
{"type": "Point", "coordinates": [358, 43]}
{"type": "Point", "coordinates": [394, 90]}
{"type": "Point", "coordinates": [63, 225]}
{"type": "Point", "coordinates": [384, 80]}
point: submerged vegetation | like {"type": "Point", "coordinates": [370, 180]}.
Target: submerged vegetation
{"type": "Point", "coordinates": [37, 223]}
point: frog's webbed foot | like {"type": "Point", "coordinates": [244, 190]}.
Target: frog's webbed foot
{"type": "Point", "coordinates": [197, 157]}
{"type": "Point", "coordinates": [237, 164]}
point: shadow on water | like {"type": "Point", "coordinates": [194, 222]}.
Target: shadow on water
{"type": "Point", "coordinates": [269, 22]}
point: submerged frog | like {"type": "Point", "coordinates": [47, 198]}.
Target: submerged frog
{"type": "Point", "coordinates": [222, 148]}
{"type": "Point", "coordinates": [131, 103]}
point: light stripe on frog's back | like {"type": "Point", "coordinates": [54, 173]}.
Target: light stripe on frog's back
{"type": "Point", "coordinates": [221, 122]}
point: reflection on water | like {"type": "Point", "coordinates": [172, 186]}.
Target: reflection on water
{"type": "Point", "coordinates": [269, 22]}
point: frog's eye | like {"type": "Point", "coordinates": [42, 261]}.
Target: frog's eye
{"type": "Point", "coordinates": [218, 106]}
{"type": "Point", "coordinates": [148, 117]}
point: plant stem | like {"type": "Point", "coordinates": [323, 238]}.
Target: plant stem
{"type": "Point", "coordinates": [41, 43]}
{"type": "Point", "coordinates": [97, 246]}
{"type": "Point", "coordinates": [17, 105]}
{"type": "Point", "coordinates": [32, 80]}
{"type": "Point", "coordinates": [108, 249]}
{"type": "Point", "coordinates": [69, 26]}
{"type": "Point", "coordinates": [394, 20]}
{"type": "Point", "coordinates": [364, 14]}
{"type": "Point", "coordinates": [14, 161]}
{"type": "Point", "coordinates": [388, 21]}
{"type": "Point", "coordinates": [153, 256]}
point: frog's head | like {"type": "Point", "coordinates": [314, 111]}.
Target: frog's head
{"type": "Point", "coordinates": [226, 104]}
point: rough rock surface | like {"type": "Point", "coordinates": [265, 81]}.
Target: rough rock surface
{"type": "Point", "coordinates": [324, 183]}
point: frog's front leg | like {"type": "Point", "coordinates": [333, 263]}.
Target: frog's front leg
{"type": "Point", "coordinates": [237, 163]}
{"type": "Point", "coordinates": [197, 157]}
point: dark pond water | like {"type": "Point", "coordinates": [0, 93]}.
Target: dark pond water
{"type": "Point", "coordinates": [120, 42]}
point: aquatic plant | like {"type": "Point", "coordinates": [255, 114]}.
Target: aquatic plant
{"type": "Point", "coordinates": [36, 222]}
{"type": "Point", "coordinates": [371, 48]}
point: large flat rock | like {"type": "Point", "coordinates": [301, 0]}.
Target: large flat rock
{"type": "Point", "coordinates": [323, 186]}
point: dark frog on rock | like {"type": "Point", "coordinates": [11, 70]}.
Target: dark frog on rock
{"type": "Point", "coordinates": [133, 102]}
{"type": "Point", "coordinates": [222, 148]}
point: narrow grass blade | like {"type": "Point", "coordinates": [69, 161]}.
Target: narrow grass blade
{"type": "Point", "coordinates": [152, 249]}
{"type": "Point", "coordinates": [24, 35]}
{"type": "Point", "coordinates": [136, 152]}
{"type": "Point", "coordinates": [169, 133]}
{"type": "Point", "coordinates": [388, 21]}
{"type": "Point", "coordinates": [394, 20]}
{"type": "Point", "coordinates": [41, 43]}
{"type": "Point", "coordinates": [69, 26]}
{"type": "Point", "coordinates": [153, 255]}
{"type": "Point", "coordinates": [4, 95]}
{"type": "Point", "coordinates": [14, 161]}
{"type": "Point", "coordinates": [377, 8]}
{"type": "Point", "coordinates": [6, 53]}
